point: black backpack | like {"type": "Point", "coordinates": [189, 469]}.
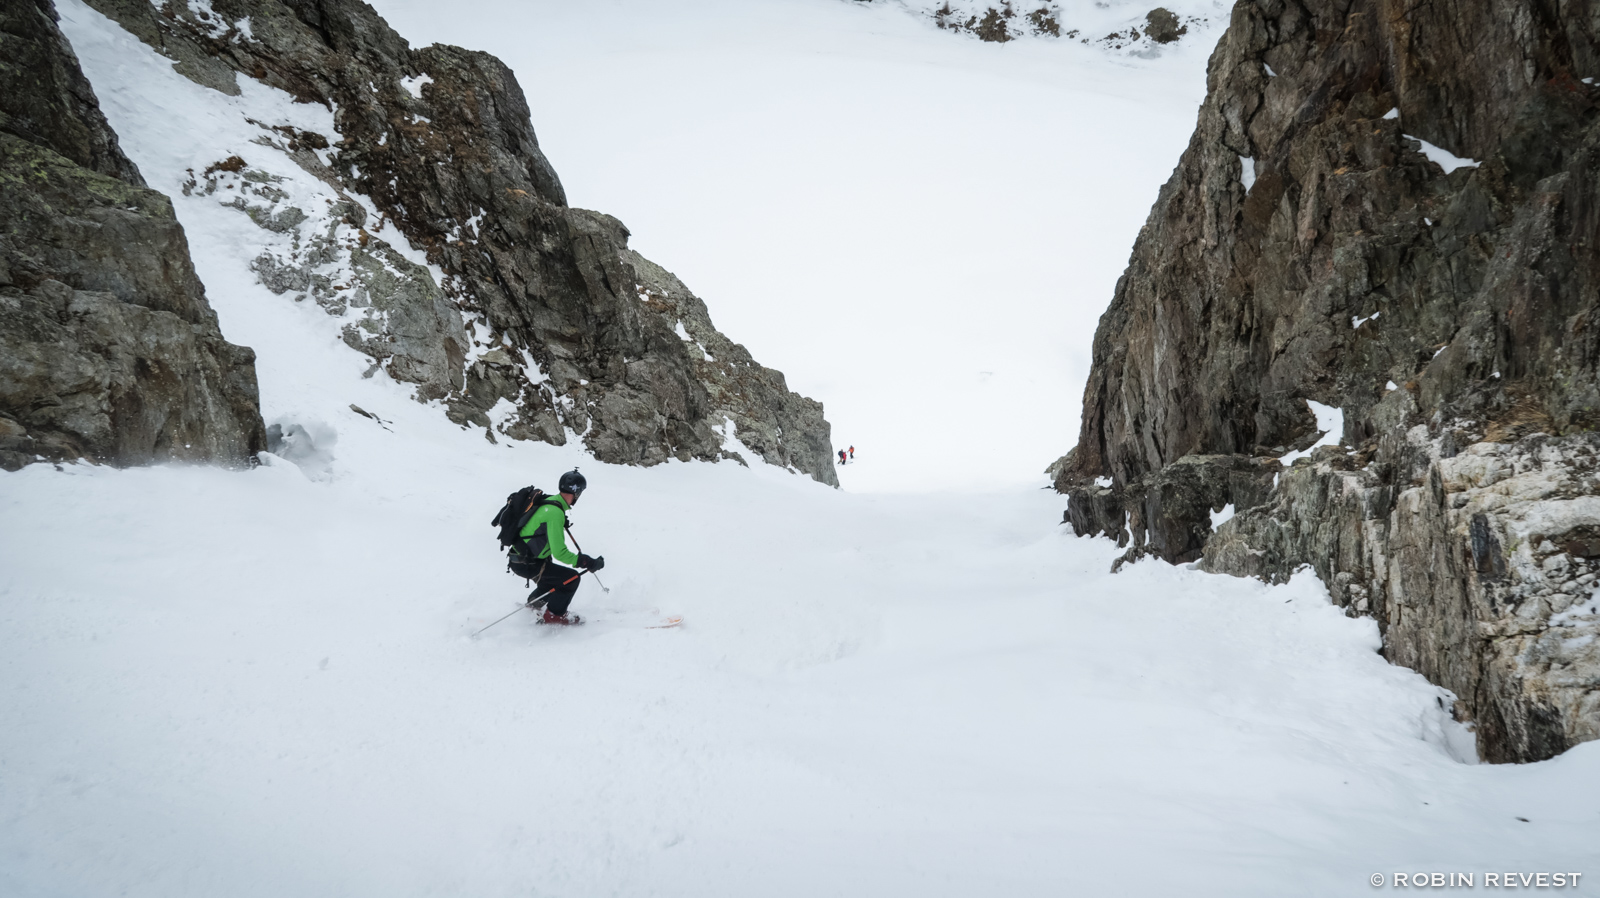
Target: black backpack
{"type": "Point", "coordinates": [514, 515]}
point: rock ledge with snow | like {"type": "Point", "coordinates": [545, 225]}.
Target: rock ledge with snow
{"type": "Point", "coordinates": [424, 218]}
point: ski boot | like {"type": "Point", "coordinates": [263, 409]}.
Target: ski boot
{"type": "Point", "coordinates": [550, 617]}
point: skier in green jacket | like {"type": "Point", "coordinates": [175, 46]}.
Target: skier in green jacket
{"type": "Point", "coordinates": [545, 558]}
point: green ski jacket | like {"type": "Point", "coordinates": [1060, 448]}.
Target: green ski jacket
{"type": "Point", "coordinates": [552, 516]}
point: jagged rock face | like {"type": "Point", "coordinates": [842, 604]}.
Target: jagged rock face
{"type": "Point", "coordinates": [108, 348]}
{"type": "Point", "coordinates": [1171, 510]}
{"type": "Point", "coordinates": [1482, 575]}
{"type": "Point", "coordinates": [784, 428]}
{"type": "Point", "coordinates": [1310, 246]}
{"type": "Point", "coordinates": [539, 324]}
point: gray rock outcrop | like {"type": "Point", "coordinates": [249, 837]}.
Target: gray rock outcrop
{"type": "Point", "coordinates": [1378, 216]}
{"type": "Point", "coordinates": [999, 24]}
{"type": "Point", "coordinates": [1008, 20]}
{"type": "Point", "coordinates": [108, 348]}
{"type": "Point", "coordinates": [1162, 26]}
{"type": "Point", "coordinates": [541, 322]}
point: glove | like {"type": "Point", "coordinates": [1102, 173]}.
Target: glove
{"type": "Point", "coordinates": [591, 563]}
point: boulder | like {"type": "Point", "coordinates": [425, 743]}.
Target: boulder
{"type": "Point", "coordinates": [1161, 26]}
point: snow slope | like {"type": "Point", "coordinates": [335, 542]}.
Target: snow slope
{"type": "Point", "coordinates": [263, 683]}
{"type": "Point", "coordinates": [825, 173]}
{"type": "Point", "coordinates": [258, 684]}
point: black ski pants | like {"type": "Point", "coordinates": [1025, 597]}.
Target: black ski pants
{"type": "Point", "coordinates": [547, 576]}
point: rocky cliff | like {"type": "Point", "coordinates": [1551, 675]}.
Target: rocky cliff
{"type": "Point", "coordinates": [1387, 214]}
{"type": "Point", "coordinates": [108, 348]}
{"type": "Point", "coordinates": [522, 315]}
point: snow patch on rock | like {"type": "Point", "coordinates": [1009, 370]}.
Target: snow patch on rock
{"type": "Point", "coordinates": [414, 84]}
{"type": "Point", "coordinates": [1330, 421]}
{"type": "Point", "coordinates": [1442, 157]}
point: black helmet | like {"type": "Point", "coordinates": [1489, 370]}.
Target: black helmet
{"type": "Point", "coordinates": [573, 482]}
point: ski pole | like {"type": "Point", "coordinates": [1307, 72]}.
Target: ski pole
{"type": "Point", "coordinates": [603, 588]}
{"type": "Point", "coordinates": [529, 603]}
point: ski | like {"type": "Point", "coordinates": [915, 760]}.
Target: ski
{"type": "Point", "coordinates": [665, 623]}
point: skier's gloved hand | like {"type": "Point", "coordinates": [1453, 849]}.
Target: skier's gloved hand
{"type": "Point", "coordinates": [590, 563]}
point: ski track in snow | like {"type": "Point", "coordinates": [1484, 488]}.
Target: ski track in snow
{"type": "Point", "coordinates": [291, 704]}
{"type": "Point", "coordinates": [242, 684]}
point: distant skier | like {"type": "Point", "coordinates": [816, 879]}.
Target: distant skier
{"type": "Point", "coordinates": [841, 456]}
{"type": "Point", "coordinates": [543, 552]}
{"type": "Point", "coordinates": [852, 453]}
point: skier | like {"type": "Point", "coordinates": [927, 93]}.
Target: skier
{"type": "Point", "coordinates": [543, 553]}
{"type": "Point", "coordinates": [852, 453]}
{"type": "Point", "coordinates": [841, 456]}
